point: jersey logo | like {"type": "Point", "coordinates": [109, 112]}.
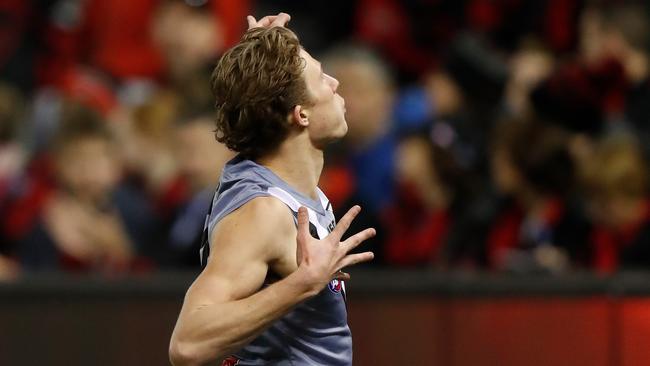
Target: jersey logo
{"type": "Point", "coordinates": [335, 286]}
{"type": "Point", "coordinates": [230, 361]}
{"type": "Point", "coordinates": [331, 226]}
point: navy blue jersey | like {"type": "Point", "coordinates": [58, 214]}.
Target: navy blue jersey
{"type": "Point", "coordinates": [316, 331]}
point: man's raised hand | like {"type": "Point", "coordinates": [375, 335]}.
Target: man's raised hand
{"type": "Point", "coordinates": [269, 21]}
{"type": "Point", "coordinates": [323, 260]}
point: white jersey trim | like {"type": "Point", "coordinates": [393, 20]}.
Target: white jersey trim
{"type": "Point", "coordinates": [290, 201]}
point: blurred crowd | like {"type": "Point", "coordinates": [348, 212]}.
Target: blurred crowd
{"type": "Point", "coordinates": [484, 135]}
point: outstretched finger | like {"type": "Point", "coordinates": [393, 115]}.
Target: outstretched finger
{"type": "Point", "coordinates": [252, 23]}
{"type": "Point", "coordinates": [358, 238]}
{"type": "Point", "coordinates": [266, 21]}
{"type": "Point", "coordinates": [281, 20]}
{"type": "Point", "coordinates": [352, 259]}
{"type": "Point", "coordinates": [344, 224]}
{"type": "Point", "coordinates": [303, 224]}
{"type": "Point", "coordinates": [342, 276]}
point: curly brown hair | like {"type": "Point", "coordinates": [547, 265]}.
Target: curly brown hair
{"type": "Point", "coordinates": [256, 84]}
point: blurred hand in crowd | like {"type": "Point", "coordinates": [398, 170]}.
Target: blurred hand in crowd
{"type": "Point", "coordinates": [9, 269]}
{"type": "Point", "coordinates": [88, 234]}
{"type": "Point", "coordinates": [528, 67]}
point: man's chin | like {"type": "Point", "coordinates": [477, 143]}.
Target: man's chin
{"type": "Point", "coordinates": [336, 136]}
{"type": "Point", "coordinates": [344, 127]}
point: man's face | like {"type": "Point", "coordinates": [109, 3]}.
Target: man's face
{"type": "Point", "coordinates": [326, 114]}
{"type": "Point", "coordinates": [369, 99]}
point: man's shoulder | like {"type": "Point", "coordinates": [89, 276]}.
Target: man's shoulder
{"type": "Point", "coordinates": [266, 205]}
{"type": "Point", "coordinates": [262, 215]}
{"type": "Point", "coordinates": [262, 225]}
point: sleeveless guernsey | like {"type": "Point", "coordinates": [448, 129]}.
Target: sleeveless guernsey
{"type": "Point", "coordinates": [314, 332]}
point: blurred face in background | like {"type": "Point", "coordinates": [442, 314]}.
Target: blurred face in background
{"type": "Point", "coordinates": [145, 135]}
{"type": "Point", "coordinates": [414, 163]}
{"type": "Point", "coordinates": [188, 38]}
{"type": "Point", "coordinates": [368, 99]}
{"type": "Point", "coordinates": [200, 157]}
{"type": "Point", "coordinates": [88, 168]}
{"type": "Point", "coordinates": [422, 166]}
{"type": "Point", "coordinates": [444, 94]}
{"type": "Point", "coordinates": [504, 174]}
{"type": "Point", "coordinates": [616, 179]}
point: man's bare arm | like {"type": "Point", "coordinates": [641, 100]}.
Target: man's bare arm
{"type": "Point", "coordinates": [224, 310]}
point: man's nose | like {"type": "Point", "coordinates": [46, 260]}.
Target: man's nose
{"type": "Point", "coordinates": [334, 82]}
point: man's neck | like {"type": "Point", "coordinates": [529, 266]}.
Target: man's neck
{"type": "Point", "coordinates": [298, 163]}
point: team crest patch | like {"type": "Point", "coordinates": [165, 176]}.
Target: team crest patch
{"type": "Point", "coordinates": [335, 286]}
{"type": "Point", "coordinates": [230, 361]}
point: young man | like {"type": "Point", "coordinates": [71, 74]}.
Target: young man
{"type": "Point", "coordinates": [271, 292]}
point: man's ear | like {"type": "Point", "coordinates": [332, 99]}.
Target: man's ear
{"type": "Point", "coordinates": [300, 116]}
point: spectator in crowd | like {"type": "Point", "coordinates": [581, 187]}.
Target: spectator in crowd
{"type": "Point", "coordinates": [21, 33]}
{"type": "Point", "coordinates": [537, 228]}
{"type": "Point", "coordinates": [201, 159]}
{"type": "Point", "coordinates": [450, 197]}
{"type": "Point", "coordinates": [530, 65]}
{"type": "Point", "coordinates": [603, 86]}
{"type": "Point", "coordinates": [626, 38]}
{"type": "Point", "coordinates": [436, 97]}
{"type": "Point", "coordinates": [13, 158]}
{"type": "Point", "coordinates": [189, 39]}
{"type": "Point", "coordinates": [146, 134]}
{"type": "Point", "coordinates": [88, 222]}
{"type": "Point", "coordinates": [462, 96]}
{"type": "Point", "coordinates": [84, 33]}
{"type": "Point", "coordinates": [429, 183]}
{"type": "Point", "coordinates": [616, 182]}
{"type": "Point", "coordinates": [13, 155]}
{"type": "Point", "coordinates": [415, 35]}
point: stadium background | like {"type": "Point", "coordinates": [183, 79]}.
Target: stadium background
{"type": "Point", "coordinates": [500, 147]}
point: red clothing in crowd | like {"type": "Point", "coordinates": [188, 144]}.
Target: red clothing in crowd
{"type": "Point", "coordinates": [22, 211]}
{"type": "Point", "coordinates": [115, 36]}
{"type": "Point", "coordinates": [414, 35]}
{"type": "Point", "coordinates": [415, 233]}
{"type": "Point", "coordinates": [613, 249]}
{"type": "Point", "coordinates": [506, 233]}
